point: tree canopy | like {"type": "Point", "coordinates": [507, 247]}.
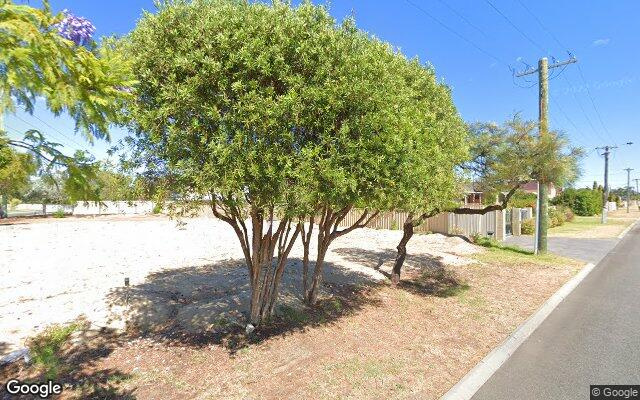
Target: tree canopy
{"type": "Point", "coordinates": [278, 114]}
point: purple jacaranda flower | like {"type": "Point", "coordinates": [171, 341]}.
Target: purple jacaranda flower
{"type": "Point", "coordinates": [77, 29]}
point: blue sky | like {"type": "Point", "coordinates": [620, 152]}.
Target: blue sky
{"type": "Point", "coordinates": [475, 61]}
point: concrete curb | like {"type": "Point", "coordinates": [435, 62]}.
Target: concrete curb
{"type": "Point", "coordinates": [474, 379]}
{"type": "Point", "coordinates": [630, 227]}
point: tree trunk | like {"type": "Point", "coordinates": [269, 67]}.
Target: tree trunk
{"type": "Point", "coordinates": [327, 232]}
{"type": "Point", "coordinates": [259, 246]}
{"type": "Point", "coordinates": [306, 243]}
{"type": "Point", "coordinates": [312, 295]}
{"type": "Point", "coordinates": [402, 249]}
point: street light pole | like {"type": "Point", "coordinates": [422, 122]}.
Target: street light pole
{"type": "Point", "coordinates": [628, 187]}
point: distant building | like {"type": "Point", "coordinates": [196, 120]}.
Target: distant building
{"type": "Point", "coordinates": [532, 187]}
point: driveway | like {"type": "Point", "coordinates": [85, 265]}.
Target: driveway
{"type": "Point", "coordinates": [588, 250]}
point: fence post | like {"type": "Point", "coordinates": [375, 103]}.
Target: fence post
{"type": "Point", "coordinates": [500, 225]}
{"type": "Point", "coordinates": [516, 221]}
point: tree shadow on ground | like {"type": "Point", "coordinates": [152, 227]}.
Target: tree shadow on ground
{"type": "Point", "coordinates": [205, 305]}
{"type": "Point", "coordinates": [76, 365]}
{"type": "Point", "coordinates": [423, 274]}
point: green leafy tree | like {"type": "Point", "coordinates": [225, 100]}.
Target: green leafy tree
{"type": "Point", "coordinates": [15, 170]}
{"type": "Point", "coordinates": [583, 202]}
{"type": "Point", "coordinates": [501, 159]}
{"type": "Point", "coordinates": [224, 88]}
{"type": "Point", "coordinates": [388, 128]}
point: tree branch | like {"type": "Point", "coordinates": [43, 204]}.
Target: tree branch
{"type": "Point", "coordinates": [493, 207]}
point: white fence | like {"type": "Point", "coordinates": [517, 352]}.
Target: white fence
{"type": "Point", "coordinates": [113, 207]}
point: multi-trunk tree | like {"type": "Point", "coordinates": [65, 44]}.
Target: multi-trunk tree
{"type": "Point", "coordinates": [282, 120]}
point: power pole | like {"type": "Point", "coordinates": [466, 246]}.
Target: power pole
{"type": "Point", "coordinates": [605, 192]}
{"type": "Point", "coordinates": [628, 186]}
{"type": "Point", "coordinates": [637, 194]}
{"type": "Point", "coordinates": [542, 223]}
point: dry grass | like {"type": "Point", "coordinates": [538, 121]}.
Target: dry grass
{"type": "Point", "coordinates": [413, 341]}
{"type": "Point", "coordinates": [591, 227]}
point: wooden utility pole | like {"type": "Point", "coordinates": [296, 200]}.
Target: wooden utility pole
{"type": "Point", "coordinates": [628, 186]}
{"type": "Point", "coordinates": [543, 116]}
{"type": "Point", "coordinates": [605, 193]}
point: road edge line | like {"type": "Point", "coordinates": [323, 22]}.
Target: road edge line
{"type": "Point", "coordinates": [628, 229]}
{"type": "Point", "coordinates": [474, 379]}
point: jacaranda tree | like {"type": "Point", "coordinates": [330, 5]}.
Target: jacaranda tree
{"type": "Point", "coordinates": [53, 58]}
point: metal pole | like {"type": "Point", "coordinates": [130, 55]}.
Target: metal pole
{"type": "Point", "coordinates": [628, 187]}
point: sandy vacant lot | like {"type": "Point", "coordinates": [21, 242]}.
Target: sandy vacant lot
{"type": "Point", "coordinates": [191, 274]}
{"type": "Point", "coordinates": [364, 340]}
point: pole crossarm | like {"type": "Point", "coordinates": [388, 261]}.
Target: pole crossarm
{"type": "Point", "coordinates": [532, 70]}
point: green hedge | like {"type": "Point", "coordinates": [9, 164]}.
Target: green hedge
{"type": "Point", "coordinates": [584, 202]}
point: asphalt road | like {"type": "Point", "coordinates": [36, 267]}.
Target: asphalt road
{"type": "Point", "coordinates": [593, 337]}
{"type": "Point", "coordinates": [589, 250]}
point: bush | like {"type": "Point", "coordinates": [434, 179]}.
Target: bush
{"type": "Point", "coordinates": [568, 213]}
{"type": "Point", "coordinates": [14, 203]}
{"type": "Point", "coordinates": [59, 213]}
{"type": "Point", "coordinates": [556, 217]}
{"type": "Point", "coordinates": [527, 227]}
{"type": "Point", "coordinates": [522, 200]}
{"type": "Point", "coordinates": [584, 202]}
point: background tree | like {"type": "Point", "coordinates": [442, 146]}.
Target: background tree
{"type": "Point", "coordinates": [502, 158]}
{"type": "Point", "coordinates": [15, 170]}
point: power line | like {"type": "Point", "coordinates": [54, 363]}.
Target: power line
{"type": "Point", "coordinates": [55, 129]}
{"type": "Point", "coordinates": [550, 33]}
{"type": "Point", "coordinates": [593, 103]}
{"type": "Point", "coordinates": [516, 27]}
{"type": "Point", "coordinates": [544, 28]}
{"type": "Point", "coordinates": [555, 102]}
{"type": "Point", "coordinates": [456, 12]}
{"type": "Point", "coordinates": [586, 116]}
{"type": "Point", "coordinates": [453, 31]}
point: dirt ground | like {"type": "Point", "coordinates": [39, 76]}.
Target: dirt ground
{"type": "Point", "coordinates": [365, 340]}
{"type": "Point", "coordinates": [192, 271]}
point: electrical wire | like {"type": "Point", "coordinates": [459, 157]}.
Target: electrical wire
{"type": "Point", "coordinates": [456, 33]}
{"type": "Point", "coordinates": [462, 17]}
{"type": "Point", "coordinates": [55, 129]}
{"type": "Point", "coordinates": [593, 103]}
{"type": "Point", "coordinates": [536, 44]}
{"type": "Point", "coordinates": [555, 38]}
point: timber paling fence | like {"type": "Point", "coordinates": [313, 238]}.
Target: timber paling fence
{"type": "Point", "coordinates": [491, 224]}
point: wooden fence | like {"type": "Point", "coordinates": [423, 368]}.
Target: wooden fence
{"type": "Point", "coordinates": [489, 224]}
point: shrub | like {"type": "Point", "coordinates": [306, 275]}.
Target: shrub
{"type": "Point", "coordinates": [14, 203]}
{"type": "Point", "coordinates": [528, 226]}
{"type": "Point", "coordinates": [568, 213]}
{"type": "Point", "coordinates": [584, 202]}
{"type": "Point", "coordinates": [556, 217]}
{"type": "Point", "coordinates": [59, 213]}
